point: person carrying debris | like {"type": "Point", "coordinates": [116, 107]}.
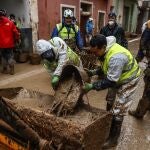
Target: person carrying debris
{"type": "Point", "coordinates": [56, 54]}
{"type": "Point", "coordinates": [144, 51]}
{"type": "Point", "coordinates": [8, 36]}
{"type": "Point", "coordinates": [121, 72]}
{"type": "Point", "coordinates": [68, 31]}
{"type": "Point", "coordinates": [113, 29]}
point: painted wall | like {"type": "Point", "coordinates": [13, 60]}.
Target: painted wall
{"type": "Point", "coordinates": [99, 6]}
{"type": "Point", "coordinates": [34, 21]}
{"type": "Point", "coordinates": [49, 13]}
{"type": "Point", "coordinates": [20, 8]}
{"type": "Point", "coordinates": [134, 20]}
{"type": "Point", "coordinates": [131, 23]}
{"type": "Point", "coordinates": [118, 9]}
{"type": "Point", "coordinates": [43, 23]}
{"type": "Point", "coordinates": [27, 11]}
{"type": "Point", "coordinates": [132, 15]}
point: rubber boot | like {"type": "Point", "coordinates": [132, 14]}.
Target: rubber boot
{"type": "Point", "coordinates": [114, 134]}
{"type": "Point", "coordinates": [12, 71]}
{"type": "Point", "coordinates": [4, 70]}
{"type": "Point", "coordinates": [109, 106]}
{"type": "Point", "coordinates": [141, 109]}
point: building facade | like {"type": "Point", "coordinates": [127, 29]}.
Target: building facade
{"type": "Point", "coordinates": [127, 13]}
{"type": "Point", "coordinates": [144, 13]}
{"type": "Point", "coordinates": [50, 13]}
{"type": "Point", "coordinates": [39, 17]}
{"type": "Point", "coordinates": [27, 15]}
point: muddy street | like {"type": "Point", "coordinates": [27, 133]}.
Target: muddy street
{"type": "Point", "coordinates": [135, 134]}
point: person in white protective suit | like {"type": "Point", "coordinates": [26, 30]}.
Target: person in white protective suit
{"type": "Point", "coordinates": [56, 54]}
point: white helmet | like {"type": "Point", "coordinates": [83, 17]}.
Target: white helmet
{"type": "Point", "coordinates": [68, 13]}
{"type": "Point", "coordinates": [42, 46]}
{"type": "Point", "coordinates": [91, 19]}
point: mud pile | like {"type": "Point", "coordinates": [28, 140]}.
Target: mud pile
{"type": "Point", "coordinates": [33, 100]}
{"type": "Point", "coordinates": [86, 129]}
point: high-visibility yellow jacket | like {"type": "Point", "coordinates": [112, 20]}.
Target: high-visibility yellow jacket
{"type": "Point", "coordinates": [63, 32]}
{"type": "Point", "coordinates": [69, 36]}
{"type": "Point", "coordinates": [130, 70]}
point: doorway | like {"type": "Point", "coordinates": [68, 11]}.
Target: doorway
{"type": "Point", "coordinates": [101, 20]}
{"type": "Point", "coordinates": [126, 18]}
{"type": "Point", "coordinates": [86, 12]}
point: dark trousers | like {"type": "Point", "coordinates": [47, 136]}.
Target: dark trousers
{"type": "Point", "coordinates": [7, 57]}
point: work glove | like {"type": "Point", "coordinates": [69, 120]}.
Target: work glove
{"type": "Point", "coordinates": [90, 72]}
{"type": "Point", "coordinates": [55, 81]}
{"type": "Point", "coordinates": [87, 87]}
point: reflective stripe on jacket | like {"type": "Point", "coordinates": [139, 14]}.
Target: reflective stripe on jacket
{"type": "Point", "coordinates": [73, 57]}
{"type": "Point", "coordinates": [131, 69]}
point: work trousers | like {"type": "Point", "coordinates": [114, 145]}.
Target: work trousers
{"type": "Point", "coordinates": [7, 57]}
{"type": "Point", "coordinates": [120, 98]}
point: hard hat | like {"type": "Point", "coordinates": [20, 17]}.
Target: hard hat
{"type": "Point", "coordinates": [43, 46]}
{"type": "Point", "coordinates": [112, 14]}
{"type": "Point", "coordinates": [91, 19]}
{"type": "Point", "coordinates": [3, 12]}
{"type": "Point", "coordinates": [68, 13]}
{"type": "Point", "coordinates": [59, 43]}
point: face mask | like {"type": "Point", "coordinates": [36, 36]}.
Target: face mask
{"type": "Point", "coordinates": [49, 55]}
{"type": "Point", "coordinates": [111, 23]}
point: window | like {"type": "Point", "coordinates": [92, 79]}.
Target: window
{"type": "Point", "coordinates": [101, 20]}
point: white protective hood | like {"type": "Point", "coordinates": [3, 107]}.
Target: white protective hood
{"type": "Point", "coordinates": [42, 46]}
{"type": "Point", "coordinates": [60, 47]}
{"type": "Point", "coordinates": [111, 40]}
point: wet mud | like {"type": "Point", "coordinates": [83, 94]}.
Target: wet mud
{"type": "Point", "coordinates": [87, 128]}
{"type": "Point", "coordinates": [66, 97]}
{"type": "Point", "coordinates": [135, 134]}
{"type": "Point", "coordinates": [33, 100]}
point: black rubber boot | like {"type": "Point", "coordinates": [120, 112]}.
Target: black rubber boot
{"type": "Point", "coordinates": [4, 70]}
{"type": "Point", "coordinates": [109, 106]}
{"type": "Point", "coordinates": [12, 70]}
{"type": "Point", "coordinates": [114, 134]}
{"type": "Point", "coordinates": [141, 109]}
